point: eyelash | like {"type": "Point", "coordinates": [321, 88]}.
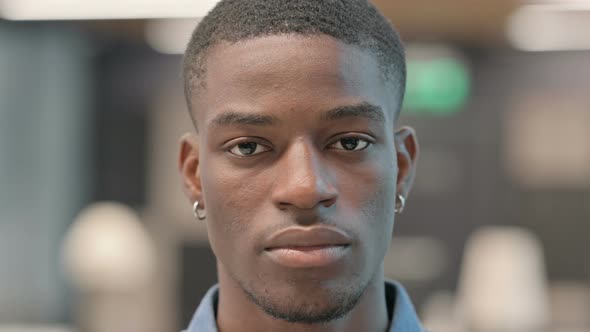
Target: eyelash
{"type": "Point", "coordinates": [246, 142]}
{"type": "Point", "coordinates": [367, 141]}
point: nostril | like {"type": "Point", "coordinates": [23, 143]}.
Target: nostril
{"type": "Point", "coordinates": [283, 206]}
{"type": "Point", "coordinates": [328, 202]}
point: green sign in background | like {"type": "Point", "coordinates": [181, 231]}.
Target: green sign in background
{"type": "Point", "coordinates": [436, 87]}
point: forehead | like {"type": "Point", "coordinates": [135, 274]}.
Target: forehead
{"type": "Point", "coordinates": [290, 71]}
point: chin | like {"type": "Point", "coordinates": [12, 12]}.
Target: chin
{"type": "Point", "coordinates": [306, 302]}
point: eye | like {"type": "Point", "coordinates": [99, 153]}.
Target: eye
{"type": "Point", "coordinates": [246, 149]}
{"type": "Point", "coordinates": [351, 144]}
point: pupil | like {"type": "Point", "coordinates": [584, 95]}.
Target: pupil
{"type": "Point", "coordinates": [247, 148]}
{"type": "Point", "coordinates": [350, 143]}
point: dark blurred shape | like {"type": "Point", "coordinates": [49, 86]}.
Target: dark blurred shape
{"type": "Point", "coordinates": [198, 273]}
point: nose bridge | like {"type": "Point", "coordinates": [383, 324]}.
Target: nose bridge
{"type": "Point", "coordinates": [302, 180]}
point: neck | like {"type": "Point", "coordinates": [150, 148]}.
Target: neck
{"type": "Point", "coordinates": [236, 312]}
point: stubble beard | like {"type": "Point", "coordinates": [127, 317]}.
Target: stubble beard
{"type": "Point", "coordinates": [309, 311]}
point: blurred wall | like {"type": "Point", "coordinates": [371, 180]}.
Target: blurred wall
{"type": "Point", "coordinates": [43, 124]}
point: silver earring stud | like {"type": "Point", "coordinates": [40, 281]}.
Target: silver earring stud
{"type": "Point", "coordinates": [196, 211]}
{"type": "Point", "coordinates": [400, 203]}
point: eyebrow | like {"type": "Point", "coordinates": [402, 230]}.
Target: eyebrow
{"type": "Point", "coordinates": [236, 118]}
{"type": "Point", "coordinates": [363, 110]}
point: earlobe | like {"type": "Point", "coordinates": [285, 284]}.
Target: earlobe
{"type": "Point", "coordinates": [407, 155]}
{"type": "Point", "coordinates": [188, 166]}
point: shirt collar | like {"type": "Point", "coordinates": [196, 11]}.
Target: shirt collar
{"type": "Point", "coordinates": [404, 315]}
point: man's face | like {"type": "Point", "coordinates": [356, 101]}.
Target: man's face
{"type": "Point", "coordinates": [296, 167]}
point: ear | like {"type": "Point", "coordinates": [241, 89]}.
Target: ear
{"type": "Point", "coordinates": [188, 165]}
{"type": "Point", "coordinates": [406, 144]}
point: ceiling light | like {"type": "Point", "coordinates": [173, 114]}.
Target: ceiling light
{"type": "Point", "coordinates": [551, 26]}
{"type": "Point", "coordinates": [170, 36]}
{"type": "Point", "coordinates": [104, 9]}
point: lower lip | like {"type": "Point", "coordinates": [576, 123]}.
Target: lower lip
{"type": "Point", "coordinates": [305, 257]}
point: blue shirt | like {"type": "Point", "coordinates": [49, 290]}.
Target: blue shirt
{"type": "Point", "coordinates": [404, 318]}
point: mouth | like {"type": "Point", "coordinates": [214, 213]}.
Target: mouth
{"type": "Point", "coordinates": [309, 256]}
{"type": "Point", "coordinates": [308, 247]}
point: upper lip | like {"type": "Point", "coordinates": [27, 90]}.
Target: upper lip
{"type": "Point", "coordinates": [308, 237]}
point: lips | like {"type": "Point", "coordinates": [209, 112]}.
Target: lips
{"type": "Point", "coordinates": [308, 247]}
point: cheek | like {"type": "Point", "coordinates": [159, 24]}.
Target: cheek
{"type": "Point", "coordinates": [231, 200]}
{"type": "Point", "coordinates": [371, 189]}
{"type": "Point", "coordinates": [372, 199]}
{"type": "Point", "coordinates": [378, 206]}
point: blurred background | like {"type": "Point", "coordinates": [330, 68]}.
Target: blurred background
{"type": "Point", "coordinates": [96, 235]}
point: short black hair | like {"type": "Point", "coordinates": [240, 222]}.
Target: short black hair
{"type": "Point", "coordinates": [354, 22]}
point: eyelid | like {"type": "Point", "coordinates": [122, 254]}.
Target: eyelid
{"type": "Point", "coordinates": [365, 137]}
{"type": "Point", "coordinates": [245, 139]}
{"type": "Point", "coordinates": [231, 144]}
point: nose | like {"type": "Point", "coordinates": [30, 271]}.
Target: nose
{"type": "Point", "coordinates": [303, 180]}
